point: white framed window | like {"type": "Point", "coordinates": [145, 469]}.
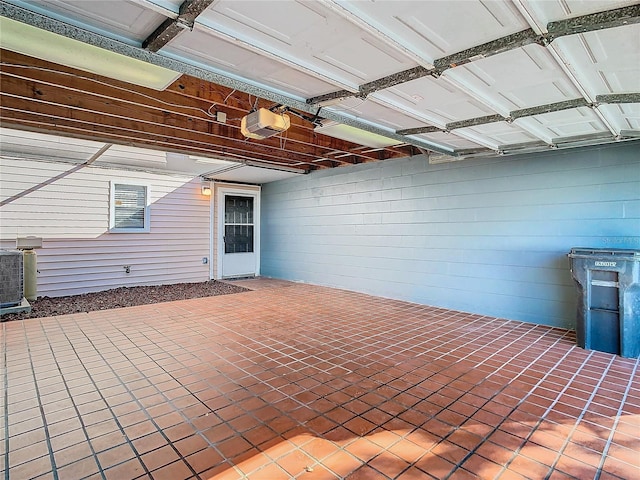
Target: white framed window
{"type": "Point", "coordinates": [129, 208]}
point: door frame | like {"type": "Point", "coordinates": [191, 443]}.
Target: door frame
{"type": "Point", "coordinates": [249, 191]}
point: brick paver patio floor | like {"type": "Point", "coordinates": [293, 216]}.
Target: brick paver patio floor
{"type": "Point", "coordinates": [306, 382]}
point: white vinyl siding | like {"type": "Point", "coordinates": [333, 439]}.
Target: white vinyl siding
{"type": "Point", "coordinates": [70, 211]}
{"type": "Point", "coordinates": [129, 208]}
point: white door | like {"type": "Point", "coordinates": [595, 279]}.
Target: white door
{"type": "Point", "coordinates": [239, 232]}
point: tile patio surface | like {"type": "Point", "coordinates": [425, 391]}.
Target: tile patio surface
{"type": "Point", "coordinates": [306, 382]}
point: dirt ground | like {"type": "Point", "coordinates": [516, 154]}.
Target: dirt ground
{"type": "Point", "coordinates": [123, 297]}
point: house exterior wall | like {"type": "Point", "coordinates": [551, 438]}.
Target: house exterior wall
{"type": "Point", "coordinates": [486, 236]}
{"type": "Point", "coordinates": [71, 213]}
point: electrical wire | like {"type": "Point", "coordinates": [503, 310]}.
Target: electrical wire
{"type": "Point", "coordinates": [227, 97]}
{"type": "Point", "coordinates": [283, 138]}
{"type": "Point", "coordinates": [253, 106]}
{"type": "Point", "coordinates": [207, 112]}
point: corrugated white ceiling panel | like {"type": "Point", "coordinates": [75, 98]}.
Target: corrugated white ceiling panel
{"type": "Point", "coordinates": [128, 19]}
{"type": "Point", "coordinates": [624, 116]}
{"type": "Point", "coordinates": [520, 78]}
{"type": "Point", "coordinates": [606, 61]}
{"type": "Point", "coordinates": [306, 49]}
{"type": "Point", "coordinates": [553, 10]}
{"type": "Point", "coordinates": [434, 100]}
{"type": "Point", "coordinates": [565, 123]}
{"type": "Point", "coordinates": [437, 29]}
{"type": "Point", "coordinates": [203, 46]}
{"type": "Point", "coordinates": [502, 133]}
{"type": "Point", "coordinates": [309, 34]}
{"type": "Point", "coordinates": [370, 109]}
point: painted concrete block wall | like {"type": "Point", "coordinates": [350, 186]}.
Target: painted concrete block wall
{"type": "Point", "coordinates": [486, 236]}
{"type": "Point", "coordinates": [71, 213]}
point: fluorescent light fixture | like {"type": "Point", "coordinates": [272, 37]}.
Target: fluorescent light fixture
{"type": "Point", "coordinates": [355, 135]}
{"type": "Point", "coordinates": [28, 40]}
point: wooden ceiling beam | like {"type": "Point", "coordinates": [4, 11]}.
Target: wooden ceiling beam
{"type": "Point", "coordinates": [189, 104]}
{"type": "Point", "coordinates": [74, 92]}
{"type": "Point", "coordinates": [109, 111]}
{"type": "Point", "coordinates": [220, 95]}
{"type": "Point", "coordinates": [111, 106]}
{"type": "Point", "coordinates": [123, 135]}
{"type": "Point", "coordinates": [142, 129]}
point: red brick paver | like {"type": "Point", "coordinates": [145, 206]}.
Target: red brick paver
{"type": "Point", "coordinates": [305, 382]}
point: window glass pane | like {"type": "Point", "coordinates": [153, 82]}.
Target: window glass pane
{"type": "Point", "coordinates": [130, 203]}
{"type": "Point", "coordinates": [238, 209]}
{"type": "Point", "coordinates": [238, 238]}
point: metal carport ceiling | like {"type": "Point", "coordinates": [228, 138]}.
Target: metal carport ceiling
{"type": "Point", "coordinates": [456, 78]}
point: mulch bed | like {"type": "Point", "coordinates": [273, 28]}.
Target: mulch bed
{"type": "Point", "coordinates": [123, 297]}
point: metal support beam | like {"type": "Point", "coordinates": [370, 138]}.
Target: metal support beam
{"type": "Point", "coordinates": [524, 112]}
{"type": "Point", "coordinates": [522, 147]}
{"type": "Point", "coordinates": [329, 98]}
{"type": "Point", "coordinates": [618, 98]}
{"type": "Point", "coordinates": [419, 130]}
{"type": "Point", "coordinates": [475, 151]}
{"type": "Point", "coordinates": [494, 47]}
{"type": "Point", "coordinates": [585, 23]}
{"type": "Point", "coordinates": [371, 87]}
{"type": "Point", "coordinates": [172, 27]}
{"type": "Point", "coordinates": [394, 79]}
{"type": "Point", "coordinates": [472, 122]}
{"type": "Point", "coordinates": [580, 140]}
{"type": "Point", "coordinates": [594, 21]}
{"type": "Point", "coordinates": [630, 133]}
{"type": "Point", "coordinates": [548, 108]}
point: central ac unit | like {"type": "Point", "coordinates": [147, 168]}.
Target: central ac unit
{"type": "Point", "coordinates": [11, 288]}
{"type": "Point", "coordinates": [264, 123]}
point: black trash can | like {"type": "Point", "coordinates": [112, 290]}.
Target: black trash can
{"type": "Point", "coordinates": [609, 299]}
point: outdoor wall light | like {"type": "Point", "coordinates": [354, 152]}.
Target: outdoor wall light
{"type": "Point", "coordinates": [206, 190]}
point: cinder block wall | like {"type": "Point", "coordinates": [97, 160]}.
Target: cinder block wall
{"type": "Point", "coordinates": [486, 236]}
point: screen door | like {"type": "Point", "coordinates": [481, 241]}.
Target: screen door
{"type": "Point", "coordinates": [238, 236]}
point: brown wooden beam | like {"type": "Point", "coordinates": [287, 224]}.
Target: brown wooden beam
{"type": "Point", "coordinates": [108, 110]}
{"type": "Point", "coordinates": [183, 106]}
{"type": "Point", "coordinates": [75, 92]}
{"type": "Point", "coordinates": [195, 88]}
{"type": "Point", "coordinates": [140, 121]}
{"type": "Point", "coordinates": [122, 135]}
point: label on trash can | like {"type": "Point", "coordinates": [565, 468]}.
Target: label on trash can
{"type": "Point", "coordinates": [605, 264]}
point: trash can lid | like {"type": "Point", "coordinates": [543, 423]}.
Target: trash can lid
{"type": "Point", "coordinates": [582, 252]}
